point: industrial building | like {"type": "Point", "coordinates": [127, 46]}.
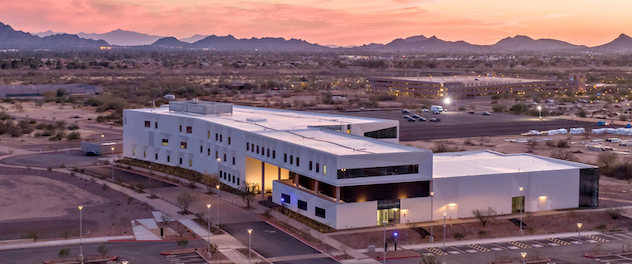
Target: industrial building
{"type": "Point", "coordinates": [462, 87]}
{"type": "Point", "coordinates": [348, 172]}
{"type": "Point", "coordinates": [22, 90]}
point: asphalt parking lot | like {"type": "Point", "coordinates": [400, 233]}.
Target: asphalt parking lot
{"type": "Point", "coordinates": [459, 124]}
{"type": "Point", "coordinates": [70, 159]}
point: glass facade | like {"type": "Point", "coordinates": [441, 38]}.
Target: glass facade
{"type": "Point", "coordinates": [377, 171]}
{"type": "Point", "coordinates": [390, 132]}
{"type": "Point", "coordinates": [588, 187]}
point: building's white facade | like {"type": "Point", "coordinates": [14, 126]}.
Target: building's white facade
{"type": "Point", "coordinates": [330, 169]}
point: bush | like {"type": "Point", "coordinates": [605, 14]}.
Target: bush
{"type": "Point", "coordinates": [442, 147]}
{"type": "Point", "coordinates": [563, 144]}
{"type": "Point", "coordinates": [499, 108]}
{"type": "Point", "coordinates": [518, 108]}
{"type": "Point", "coordinates": [73, 127]}
{"type": "Point", "coordinates": [614, 212]}
{"type": "Point", "coordinates": [459, 236]}
{"type": "Point", "coordinates": [563, 155]}
{"type": "Point", "coordinates": [601, 227]}
{"type": "Point", "coordinates": [73, 136]}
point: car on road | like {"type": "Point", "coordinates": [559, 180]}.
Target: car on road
{"type": "Point", "coordinates": [434, 119]}
{"type": "Point", "coordinates": [407, 117]}
{"type": "Point", "coordinates": [405, 111]}
{"type": "Point", "coordinates": [470, 112]}
{"type": "Point", "coordinates": [422, 119]}
{"type": "Point", "coordinates": [486, 113]}
{"type": "Point", "coordinates": [424, 109]}
{"type": "Point", "coordinates": [415, 116]}
{"type": "Point", "coordinates": [411, 119]}
{"type": "Point", "coordinates": [613, 140]}
{"type": "Point", "coordinates": [625, 143]}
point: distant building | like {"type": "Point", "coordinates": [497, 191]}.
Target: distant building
{"type": "Point", "coordinates": [20, 90]}
{"type": "Point", "coordinates": [462, 87]}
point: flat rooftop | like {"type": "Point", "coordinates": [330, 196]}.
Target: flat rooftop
{"type": "Point", "coordinates": [466, 79]}
{"type": "Point", "coordinates": [475, 163]}
{"type": "Point", "coordinates": [337, 143]}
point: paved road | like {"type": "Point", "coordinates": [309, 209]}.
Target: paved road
{"type": "Point", "coordinates": [134, 252]}
{"type": "Point", "coordinates": [70, 159]}
{"type": "Point", "coordinates": [458, 124]}
{"type": "Point", "coordinates": [270, 242]}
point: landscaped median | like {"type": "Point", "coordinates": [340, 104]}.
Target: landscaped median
{"type": "Point", "coordinates": [87, 259]}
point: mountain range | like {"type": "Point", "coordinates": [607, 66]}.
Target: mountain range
{"type": "Point", "coordinates": [13, 39]}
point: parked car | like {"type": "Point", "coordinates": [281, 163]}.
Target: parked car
{"type": "Point", "coordinates": [411, 119]}
{"type": "Point", "coordinates": [422, 119]}
{"type": "Point", "coordinates": [470, 112]}
{"type": "Point", "coordinates": [424, 109]}
{"type": "Point", "coordinates": [405, 111]}
{"type": "Point", "coordinates": [486, 113]}
{"type": "Point", "coordinates": [415, 116]}
{"type": "Point", "coordinates": [434, 119]}
{"type": "Point", "coordinates": [407, 117]}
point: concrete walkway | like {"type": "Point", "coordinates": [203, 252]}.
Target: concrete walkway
{"type": "Point", "coordinates": [77, 241]}
{"type": "Point", "coordinates": [143, 234]}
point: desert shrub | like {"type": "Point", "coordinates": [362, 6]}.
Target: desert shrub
{"type": "Point", "coordinates": [601, 227]}
{"type": "Point", "coordinates": [563, 155]}
{"type": "Point", "coordinates": [73, 127]}
{"type": "Point", "coordinates": [73, 136]}
{"type": "Point", "coordinates": [518, 108]}
{"type": "Point", "coordinates": [458, 236]}
{"type": "Point", "coordinates": [563, 144]}
{"type": "Point", "coordinates": [614, 212]}
{"type": "Point", "coordinates": [499, 108]}
{"type": "Point", "coordinates": [442, 147]}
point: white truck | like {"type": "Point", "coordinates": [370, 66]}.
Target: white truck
{"type": "Point", "coordinates": [436, 109]}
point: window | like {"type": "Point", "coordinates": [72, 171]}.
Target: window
{"type": "Point", "coordinates": [263, 151]}
{"type": "Point", "coordinates": [190, 162]}
{"type": "Point", "coordinates": [168, 158]}
{"type": "Point", "coordinates": [156, 156]}
{"type": "Point", "coordinates": [284, 157]}
{"type": "Point", "coordinates": [257, 149]}
{"type": "Point", "coordinates": [268, 153]}
{"type": "Point", "coordinates": [217, 154]}
{"type": "Point", "coordinates": [291, 159]}
{"type": "Point", "coordinates": [317, 167]}
{"type": "Point", "coordinates": [297, 162]}
{"type": "Point", "coordinates": [324, 169]}
{"type": "Point", "coordinates": [208, 134]}
{"type": "Point", "coordinates": [183, 145]}
{"type": "Point", "coordinates": [147, 123]}
{"type": "Point", "coordinates": [156, 125]}
{"type": "Point", "coordinates": [274, 154]}
{"type": "Point", "coordinates": [133, 152]}
{"type": "Point", "coordinates": [180, 128]}
{"type": "Point", "coordinates": [320, 212]}
{"type": "Point", "coordinates": [233, 177]}
{"type": "Point", "coordinates": [180, 161]}
{"type": "Point", "coordinates": [247, 146]}
{"type": "Point", "coordinates": [220, 138]}
{"type": "Point", "coordinates": [377, 171]}
{"type": "Point", "coordinates": [302, 205]}
{"type": "Point", "coordinates": [310, 165]}
{"type": "Point", "coordinates": [237, 181]}
{"type": "Point", "coordinates": [189, 130]}
{"type": "Point", "coordinates": [209, 151]}
{"type": "Point", "coordinates": [383, 133]}
{"type": "Point", "coordinates": [144, 154]}
{"type": "Point", "coordinates": [201, 149]}
{"type": "Point", "coordinates": [228, 140]}
{"type": "Point", "coordinates": [165, 142]}
{"type": "Point", "coordinates": [216, 137]}
{"type": "Point", "coordinates": [221, 176]}
{"type": "Point", "coordinates": [224, 157]}
{"type": "Point", "coordinates": [233, 160]}
{"type": "Point", "coordinates": [285, 198]}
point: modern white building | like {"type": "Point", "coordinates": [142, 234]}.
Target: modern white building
{"type": "Point", "coordinates": [348, 172]}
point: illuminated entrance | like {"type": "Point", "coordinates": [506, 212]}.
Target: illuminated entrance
{"type": "Point", "coordinates": [388, 210]}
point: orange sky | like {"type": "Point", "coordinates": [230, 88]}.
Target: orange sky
{"type": "Point", "coordinates": [339, 22]}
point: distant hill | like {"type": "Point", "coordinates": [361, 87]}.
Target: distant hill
{"type": "Point", "coordinates": [122, 37]}
{"type": "Point", "coordinates": [422, 44]}
{"type": "Point", "coordinates": [622, 44]}
{"type": "Point", "coordinates": [13, 39]}
{"type": "Point", "coordinates": [193, 38]}
{"type": "Point", "coordinates": [46, 33]}
{"type": "Point", "coordinates": [524, 43]}
{"type": "Point", "coordinates": [229, 42]}
{"type": "Point", "coordinates": [171, 43]}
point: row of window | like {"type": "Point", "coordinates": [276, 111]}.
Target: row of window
{"type": "Point", "coordinates": [377, 171]}
{"type": "Point", "coordinates": [264, 151]}
{"type": "Point", "coordinates": [320, 212]}
{"type": "Point", "coordinates": [228, 177]}
{"type": "Point", "coordinates": [189, 130]}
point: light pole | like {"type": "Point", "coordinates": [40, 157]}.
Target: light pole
{"type": "Point", "coordinates": [521, 209]}
{"type": "Point", "coordinates": [384, 223]}
{"type": "Point", "coordinates": [579, 232]}
{"type": "Point", "coordinates": [112, 164]}
{"type": "Point", "coordinates": [431, 214]}
{"type": "Point", "coordinates": [208, 242]}
{"type": "Point", "coordinates": [217, 205]}
{"type": "Point", "coordinates": [524, 255]}
{"type": "Point", "coordinates": [81, 233]}
{"type": "Point", "coordinates": [395, 235]}
{"type": "Point", "coordinates": [444, 226]}
{"type": "Point", "coordinates": [249, 244]}
{"type": "Point", "coordinates": [540, 111]}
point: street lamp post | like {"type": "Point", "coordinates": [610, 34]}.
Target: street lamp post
{"type": "Point", "coordinates": [112, 164]}
{"type": "Point", "coordinates": [579, 232]}
{"type": "Point", "coordinates": [444, 226]}
{"type": "Point", "coordinates": [217, 205]}
{"type": "Point", "coordinates": [384, 223]}
{"type": "Point", "coordinates": [81, 233]}
{"type": "Point", "coordinates": [249, 244]}
{"type": "Point", "coordinates": [431, 214]}
{"type": "Point", "coordinates": [524, 255]}
{"type": "Point", "coordinates": [208, 242]}
{"type": "Point", "coordinates": [521, 209]}
{"type": "Point", "coordinates": [540, 112]}
{"type": "Point", "coordinates": [395, 235]}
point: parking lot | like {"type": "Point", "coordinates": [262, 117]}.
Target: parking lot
{"type": "Point", "coordinates": [459, 124]}
{"type": "Point", "coordinates": [188, 258]}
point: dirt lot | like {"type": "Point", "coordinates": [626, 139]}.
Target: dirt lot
{"type": "Point", "coordinates": [498, 228]}
{"type": "Point", "coordinates": [46, 203]}
{"type": "Point", "coordinates": [69, 159]}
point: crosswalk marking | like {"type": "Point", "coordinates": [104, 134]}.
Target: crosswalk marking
{"type": "Point", "coordinates": [518, 244]}
{"type": "Point", "coordinates": [597, 238]}
{"type": "Point", "coordinates": [436, 251]}
{"type": "Point", "coordinates": [479, 248]}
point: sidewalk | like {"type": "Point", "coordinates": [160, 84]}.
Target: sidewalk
{"type": "Point", "coordinates": [491, 240]}
{"type": "Point", "coordinates": [8, 245]}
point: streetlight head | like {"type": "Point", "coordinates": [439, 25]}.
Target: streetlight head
{"type": "Point", "coordinates": [208, 205]}
{"type": "Point", "coordinates": [395, 234]}
{"type": "Point", "coordinates": [249, 231]}
{"type": "Point", "coordinates": [218, 159]}
{"type": "Point", "coordinates": [445, 213]}
{"type": "Point", "coordinates": [384, 222]}
{"type": "Point", "coordinates": [431, 193]}
{"type": "Point", "coordinates": [102, 135]}
{"type": "Point", "coordinates": [539, 107]}
{"type": "Point", "coordinates": [523, 254]}
{"type": "Point", "coordinates": [521, 188]}
{"type": "Point", "coordinates": [282, 200]}
{"type": "Point", "coordinates": [80, 207]}
{"type": "Point", "coordinates": [579, 225]}
{"type": "Point", "coordinates": [112, 148]}
{"type": "Point", "coordinates": [447, 100]}
{"type": "Point", "coordinates": [217, 186]}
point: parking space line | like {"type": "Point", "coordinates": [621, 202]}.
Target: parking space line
{"type": "Point", "coordinates": [596, 238]}
{"type": "Point", "coordinates": [519, 244]}
{"type": "Point", "coordinates": [539, 243]}
{"type": "Point", "coordinates": [479, 248]}
{"type": "Point", "coordinates": [557, 241]}
{"type": "Point", "coordinates": [498, 246]}
{"type": "Point", "coordinates": [435, 251]}
{"type": "Point", "coordinates": [458, 250]}
{"type": "Point", "coordinates": [613, 237]}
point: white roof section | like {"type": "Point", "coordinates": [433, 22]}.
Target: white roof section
{"type": "Point", "coordinates": [467, 79]}
{"type": "Point", "coordinates": [477, 163]}
{"type": "Point", "coordinates": [244, 118]}
{"type": "Point", "coordinates": [338, 143]}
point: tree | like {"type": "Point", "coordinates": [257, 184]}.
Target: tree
{"type": "Point", "coordinates": [210, 180]}
{"type": "Point", "coordinates": [607, 159]}
{"type": "Point", "coordinates": [563, 155]}
{"type": "Point", "coordinates": [103, 250]}
{"type": "Point", "coordinates": [183, 242]}
{"type": "Point", "coordinates": [74, 136]}
{"type": "Point", "coordinates": [499, 108]}
{"type": "Point", "coordinates": [248, 192]}
{"type": "Point", "coordinates": [63, 253]}
{"type": "Point", "coordinates": [184, 200]}
{"type": "Point", "coordinates": [484, 216]}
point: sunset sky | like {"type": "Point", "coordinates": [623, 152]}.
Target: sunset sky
{"type": "Point", "coordinates": [339, 22]}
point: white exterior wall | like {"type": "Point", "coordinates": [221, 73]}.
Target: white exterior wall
{"type": "Point", "coordinates": [312, 202]}
{"type": "Point", "coordinates": [354, 215]}
{"type": "Point", "coordinates": [414, 210]}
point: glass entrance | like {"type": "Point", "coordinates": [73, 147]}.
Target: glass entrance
{"type": "Point", "coordinates": [517, 204]}
{"type": "Point", "coordinates": [388, 211]}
